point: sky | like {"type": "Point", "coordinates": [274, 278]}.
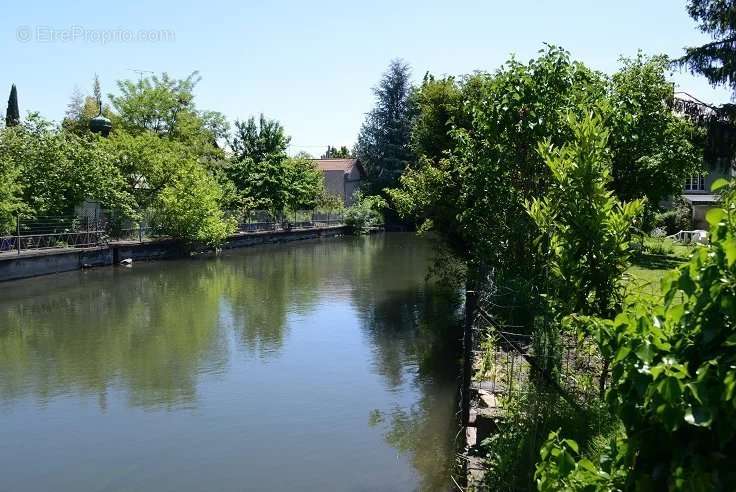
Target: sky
{"type": "Point", "coordinates": [312, 65]}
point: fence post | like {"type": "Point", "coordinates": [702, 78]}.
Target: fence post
{"type": "Point", "coordinates": [470, 306]}
{"type": "Point", "coordinates": [17, 230]}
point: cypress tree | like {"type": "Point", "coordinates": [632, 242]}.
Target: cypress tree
{"type": "Point", "coordinates": [12, 115]}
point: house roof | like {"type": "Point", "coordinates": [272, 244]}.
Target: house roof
{"type": "Point", "coordinates": [335, 164]}
{"type": "Point", "coordinates": [344, 165]}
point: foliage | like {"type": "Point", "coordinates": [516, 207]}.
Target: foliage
{"type": "Point", "coordinates": [383, 143]}
{"type": "Point", "coordinates": [263, 175]}
{"type": "Point", "coordinates": [188, 208]}
{"type": "Point", "coordinates": [676, 219]}
{"type": "Point", "coordinates": [82, 108]}
{"type": "Point", "coordinates": [59, 170]}
{"type": "Point", "coordinates": [673, 379]}
{"type": "Point", "coordinates": [10, 187]}
{"type": "Point", "coordinates": [165, 106]}
{"type": "Point", "coordinates": [335, 153]}
{"type": "Point", "coordinates": [652, 148]}
{"type": "Point", "coordinates": [304, 185]}
{"type": "Point", "coordinates": [438, 104]}
{"type": "Point", "coordinates": [365, 213]}
{"type": "Point", "coordinates": [715, 60]}
{"type": "Point", "coordinates": [475, 197]}
{"type": "Point", "coordinates": [261, 142]}
{"type": "Point", "coordinates": [584, 230]}
{"type": "Point", "coordinates": [12, 115]}
{"type": "Point", "coordinates": [147, 162]}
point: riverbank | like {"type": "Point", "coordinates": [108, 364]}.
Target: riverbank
{"type": "Point", "coordinates": [15, 266]}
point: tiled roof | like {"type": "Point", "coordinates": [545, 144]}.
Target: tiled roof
{"type": "Point", "coordinates": [345, 165]}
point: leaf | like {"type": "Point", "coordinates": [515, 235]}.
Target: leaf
{"type": "Point", "coordinates": [715, 215]}
{"type": "Point", "coordinates": [729, 247]}
{"type": "Point", "coordinates": [621, 353]}
{"type": "Point", "coordinates": [572, 445]}
{"type": "Point", "coordinates": [718, 184]}
{"type": "Point", "coordinates": [699, 416]}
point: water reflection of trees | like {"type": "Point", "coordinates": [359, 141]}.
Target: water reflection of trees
{"type": "Point", "coordinates": [414, 326]}
{"type": "Point", "coordinates": [149, 333]}
{"type": "Point", "coordinates": [152, 331]}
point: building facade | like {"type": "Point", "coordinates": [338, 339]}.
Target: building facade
{"type": "Point", "coordinates": [343, 177]}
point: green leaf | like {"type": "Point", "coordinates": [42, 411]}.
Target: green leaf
{"type": "Point", "coordinates": [718, 184]}
{"type": "Point", "coordinates": [715, 215]}
{"type": "Point", "coordinates": [729, 247]}
{"type": "Point", "coordinates": [572, 445]}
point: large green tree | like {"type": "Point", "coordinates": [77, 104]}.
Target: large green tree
{"type": "Point", "coordinates": [259, 141]}
{"type": "Point", "coordinates": [384, 141]}
{"type": "Point", "coordinates": [165, 106]}
{"type": "Point", "coordinates": [59, 169]}
{"type": "Point", "coordinates": [475, 195]}
{"type": "Point", "coordinates": [653, 149]}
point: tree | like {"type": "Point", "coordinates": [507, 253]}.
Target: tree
{"type": "Point", "coordinates": [165, 106]}
{"type": "Point", "coordinates": [475, 196]}
{"type": "Point", "coordinates": [584, 230]}
{"type": "Point", "coordinates": [257, 142]}
{"type": "Point", "coordinates": [12, 115]}
{"type": "Point", "coordinates": [82, 108]}
{"type": "Point", "coordinates": [335, 153]}
{"type": "Point", "coordinates": [304, 184]}
{"type": "Point", "coordinates": [438, 106]}
{"type": "Point", "coordinates": [188, 208]}
{"type": "Point", "coordinates": [10, 185]}
{"type": "Point", "coordinates": [59, 169]}
{"type": "Point", "coordinates": [384, 140]}
{"type": "Point", "coordinates": [715, 60]}
{"type": "Point", "coordinates": [653, 149]}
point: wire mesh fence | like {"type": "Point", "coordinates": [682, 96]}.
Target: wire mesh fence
{"type": "Point", "coordinates": [512, 363]}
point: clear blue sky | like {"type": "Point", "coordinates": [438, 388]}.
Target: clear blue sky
{"type": "Point", "coordinates": [312, 64]}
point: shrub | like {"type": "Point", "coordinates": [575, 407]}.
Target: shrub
{"type": "Point", "coordinates": [678, 218]}
{"type": "Point", "coordinates": [365, 213]}
{"type": "Point", "coordinates": [673, 381]}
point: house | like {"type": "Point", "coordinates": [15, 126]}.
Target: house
{"type": "Point", "coordinates": [719, 161]}
{"type": "Point", "coordinates": [343, 177]}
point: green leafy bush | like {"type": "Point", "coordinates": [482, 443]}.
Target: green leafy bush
{"type": "Point", "coordinates": [365, 213]}
{"type": "Point", "coordinates": [678, 218]}
{"type": "Point", "coordinates": [189, 209]}
{"type": "Point", "coordinates": [673, 381]}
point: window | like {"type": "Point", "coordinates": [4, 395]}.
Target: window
{"type": "Point", "coordinates": [695, 183]}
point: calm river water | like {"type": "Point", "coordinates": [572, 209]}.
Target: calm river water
{"type": "Point", "coordinates": [320, 365]}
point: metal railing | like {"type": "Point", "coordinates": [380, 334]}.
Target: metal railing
{"type": "Point", "coordinates": [49, 232]}
{"type": "Point", "coordinates": [262, 220]}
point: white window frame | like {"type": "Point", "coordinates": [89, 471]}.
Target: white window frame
{"type": "Point", "coordinates": [695, 183]}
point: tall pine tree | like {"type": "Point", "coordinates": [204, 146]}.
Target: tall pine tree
{"type": "Point", "coordinates": [715, 60]}
{"type": "Point", "coordinates": [12, 115]}
{"type": "Point", "coordinates": [383, 143]}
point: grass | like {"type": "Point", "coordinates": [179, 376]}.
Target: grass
{"type": "Point", "coordinates": [648, 269]}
